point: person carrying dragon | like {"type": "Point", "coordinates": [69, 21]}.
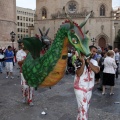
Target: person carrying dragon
{"type": "Point", "coordinates": [27, 91]}
{"type": "Point", "coordinates": [84, 83]}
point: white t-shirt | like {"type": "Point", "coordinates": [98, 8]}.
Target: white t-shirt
{"type": "Point", "coordinates": [86, 80]}
{"type": "Point", "coordinates": [20, 55]}
{"type": "Point", "coordinates": [69, 54]}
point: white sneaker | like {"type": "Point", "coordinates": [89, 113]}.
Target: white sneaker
{"type": "Point", "coordinates": [31, 104]}
{"type": "Point", "coordinates": [24, 100]}
{"type": "Point", "coordinates": [6, 77]}
{"type": "Point", "coordinates": [111, 93]}
{"type": "Point", "coordinates": [12, 77]}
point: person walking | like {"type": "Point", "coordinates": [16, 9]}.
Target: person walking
{"type": "Point", "coordinates": [111, 48]}
{"type": "Point", "coordinates": [1, 60]}
{"type": "Point", "coordinates": [9, 62]}
{"type": "Point", "coordinates": [109, 72]}
{"type": "Point", "coordinates": [101, 65]}
{"type": "Point", "coordinates": [84, 83]}
{"type": "Point", "coordinates": [97, 76]}
{"type": "Point", "coordinates": [27, 91]}
{"type": "Point", "coordinates": [117, 58]}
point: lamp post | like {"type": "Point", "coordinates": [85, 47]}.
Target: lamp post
{"type": "Point", "coordinates": [12, 34]}
{"type": "Point", "coordinates": [93, 40]}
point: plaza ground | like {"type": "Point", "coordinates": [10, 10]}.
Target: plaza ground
{"type": "Point", "coordinates": [59, 102]}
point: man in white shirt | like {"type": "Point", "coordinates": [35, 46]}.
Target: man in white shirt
{"type": "Point", "coordinates": [84, 83]}
{"type": "Point", "coordinates": [26, 90]}
{"type": "Point", "coordinates": [117, 57]}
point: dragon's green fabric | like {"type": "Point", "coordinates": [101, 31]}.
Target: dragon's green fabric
{"type": "Point", "coordinates": [33, 45]}
{"type": "Point", "coordinates": [48, 69]}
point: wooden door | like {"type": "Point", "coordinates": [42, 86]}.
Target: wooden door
{"type": "Point", "coordinates": [102, 43]}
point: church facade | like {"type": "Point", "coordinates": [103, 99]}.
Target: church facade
{"type": "Point", "coordinates": [49, 14]}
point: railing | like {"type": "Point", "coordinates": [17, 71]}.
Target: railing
{"type": "Point", "coordinates": [72, 15]}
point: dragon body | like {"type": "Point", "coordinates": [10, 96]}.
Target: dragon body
{"type": "Point", "coordinates": [50, 68]}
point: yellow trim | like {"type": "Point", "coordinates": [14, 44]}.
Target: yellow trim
{"type": "Point", "coordinates": [58, 72]}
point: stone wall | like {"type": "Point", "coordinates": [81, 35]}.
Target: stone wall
{"type": "Point", "coordinates": [7, 21]}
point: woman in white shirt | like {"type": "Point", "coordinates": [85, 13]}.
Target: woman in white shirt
{"type": "Point", "coordinates": [109, 72]}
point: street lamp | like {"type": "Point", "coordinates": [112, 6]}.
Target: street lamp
{"type": "Point", "coordinates": [12, 34]}
{"type": "Point", "coordinates": [93, 40]}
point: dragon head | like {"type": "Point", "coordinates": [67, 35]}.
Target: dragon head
{"type": "Point", "coordinates": [35, 44]}
{"type": "Point", "coordinates": [78, 39]}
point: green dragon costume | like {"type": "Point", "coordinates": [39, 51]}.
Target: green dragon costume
{"type": "Point", "coordinates": [49, 69]}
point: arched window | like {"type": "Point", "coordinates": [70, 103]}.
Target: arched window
{"type": "Point", "coordinates": [102, 10]}
{"type": "Point", "coordinates": [44, 13]}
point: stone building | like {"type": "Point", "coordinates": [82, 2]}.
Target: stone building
{"type": "Point", "coordinates": [25, 18]}
{"type": "Point", "coordinates": [49, 14]}
{"type": "Point", "coordinates": [7, 21]}
{"type": "Point", "coordinates": [116, 13]}
{"type": "Point", "coordinates": [116, 21]}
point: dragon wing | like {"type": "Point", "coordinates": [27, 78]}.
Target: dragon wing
{"type": "Point", "coordinates": [33, 45]}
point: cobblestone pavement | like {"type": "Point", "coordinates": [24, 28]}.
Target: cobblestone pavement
{"type": "Point", "coordinates": [59, 102]}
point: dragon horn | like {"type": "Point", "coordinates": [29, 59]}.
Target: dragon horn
{"type": "Point", "coordinates": [87, 32]}
{"type": "Point", "coordinates": [40, 32]}
{"type": "Point", "coordinates": [86, 19]}
{"type": "Point", "coordinates": [68, 17]}
{"type": "Point", "coordinates": [47, 32]}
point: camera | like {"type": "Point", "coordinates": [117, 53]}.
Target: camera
{"type": "Point", "coordinates": [78, 63]}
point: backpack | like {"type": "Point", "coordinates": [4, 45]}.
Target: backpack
{"type": "Point", "coordinates": [101, 65]}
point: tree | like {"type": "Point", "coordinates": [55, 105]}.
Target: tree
{"type": "Point", "coordinates": [118, 36]}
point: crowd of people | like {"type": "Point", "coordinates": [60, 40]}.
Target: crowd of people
{"type": "Point", "coordinates": [7, 59]}
{"type": "Point", "coordinates": [108, 62]}
{"type": "Point", "coordinates": [100, 68]}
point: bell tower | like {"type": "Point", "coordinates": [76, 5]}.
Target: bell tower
{"type": "Point", "coordinates": [7, 21]}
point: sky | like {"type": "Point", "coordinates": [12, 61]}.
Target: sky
{"type": "Point", "coordinates": [26, 4]}
{"type": "Point", "coordinates": [32, 3]}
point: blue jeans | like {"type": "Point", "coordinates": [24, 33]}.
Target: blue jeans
{"type": "Point", "coordinates": [3, 63]}
{"type": "Point", "coordinates": [0, 66]}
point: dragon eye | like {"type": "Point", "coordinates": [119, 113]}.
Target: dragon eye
{"type": "Point", "coordinates": [72, 31]}
{"type": "Point", "coordinates": [74, 40]}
